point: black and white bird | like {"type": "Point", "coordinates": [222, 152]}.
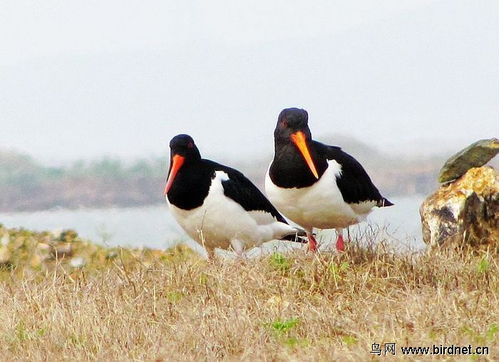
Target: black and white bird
{"type": "Point", "coordinates": [217, 205]}
{"type": "Point", "coordinates": [316, 185]}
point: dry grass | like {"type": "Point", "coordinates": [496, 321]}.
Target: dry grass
{"type": "Point", "coordinates": [293, 307]}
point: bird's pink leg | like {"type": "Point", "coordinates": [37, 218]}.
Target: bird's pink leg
{"type": "Point", "coordinates": [340, 244]}
{"type": "Point", "coordinates": [312, 243]}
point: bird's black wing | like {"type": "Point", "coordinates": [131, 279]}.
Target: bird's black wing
{"type": "Point", "coordinates": [240, 189]}
{"type": "Point", "coordinates": [354, 183]}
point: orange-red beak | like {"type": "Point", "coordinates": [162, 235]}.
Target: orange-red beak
{"type": "Point", "coordinates": [177, 163]}
{"type": "Point", "coordinates": [299, 140]}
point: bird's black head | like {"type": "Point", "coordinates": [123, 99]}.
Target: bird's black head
{"type": "Point", "coordinates": [293, 119]}
{"type": "Point", "coordinates": [183, 145]}
{"type": "Point", "coordinates": [292, 129]}
{"type": "Point", "coordinates": [183, 150]}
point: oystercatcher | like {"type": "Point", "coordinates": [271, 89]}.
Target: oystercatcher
{"type": "Point", "coordinates": [316, 185]}
{"type": "Point", "coordinates": [217, 205]}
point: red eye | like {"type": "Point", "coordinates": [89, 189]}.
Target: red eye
{"type": "Point", "coordinates": [284, 123]}
{"type": "Point", "coordinates": [190, 145]}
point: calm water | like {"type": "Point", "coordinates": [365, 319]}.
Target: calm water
{"type": "Point", "coordinates": [152, 226]}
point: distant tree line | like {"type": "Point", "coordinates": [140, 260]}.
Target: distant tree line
{"type": "Point", "coordinates": [27, 185]}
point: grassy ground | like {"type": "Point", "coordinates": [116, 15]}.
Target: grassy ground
{"type": "Point", "coordinates": [151, 305]}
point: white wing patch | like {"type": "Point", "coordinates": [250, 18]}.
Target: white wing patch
{"type": "Point", "coordinates": [334, 168]}
{"type": "Point", "coordinates": [220, 176]}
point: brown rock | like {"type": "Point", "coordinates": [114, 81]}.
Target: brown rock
{"type": "Point", "coordinates": [475, 155]}
{"type": "Point", "coordinates": [464, 211]}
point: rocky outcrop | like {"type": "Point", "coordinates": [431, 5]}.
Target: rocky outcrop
{"type": "Point", "coordinates": [465, 211]}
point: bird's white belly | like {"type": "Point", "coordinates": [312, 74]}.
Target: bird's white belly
{"type": "Point", "coordinates": [320, 205]}
{"type": "Point", "coordinates": [205, 225]}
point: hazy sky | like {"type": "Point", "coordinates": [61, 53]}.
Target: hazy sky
{"type": "Point", "coordinates": [82, 79]}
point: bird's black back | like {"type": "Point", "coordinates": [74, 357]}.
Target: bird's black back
{"type": "Point", "coordinates": [354, 183]}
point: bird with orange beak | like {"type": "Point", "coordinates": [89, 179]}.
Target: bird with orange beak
{"type": "Point", "coordinates": [217, 205]}
{"type": "Point", "coordinates": [316, 185]}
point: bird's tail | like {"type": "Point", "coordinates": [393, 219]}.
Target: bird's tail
{"type": "Point", "coordinates": [384, 202]}
{"type": "Point", "coordinates": [299, 236]}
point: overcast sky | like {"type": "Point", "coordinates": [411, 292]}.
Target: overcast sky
{"type": "Point", "coordinates": [82, 79]}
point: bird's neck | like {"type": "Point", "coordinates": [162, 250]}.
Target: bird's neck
{"type": "Point", "coordinates": [191, 185]}
{"type": "Point", "coordinates": [289, 169]}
